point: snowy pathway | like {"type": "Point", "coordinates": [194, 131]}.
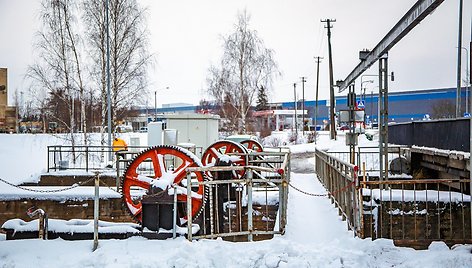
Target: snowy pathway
{"type": "Point", "coordinates": [312, 219]}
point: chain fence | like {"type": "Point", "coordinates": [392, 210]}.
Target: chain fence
{"type": "Point", "coordinates": [75, 185]}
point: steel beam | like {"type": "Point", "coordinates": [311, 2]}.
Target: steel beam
{"type": "Point", "coordinates": [413, 17]}
{"type": "Point", "coordinates": [383, 117]}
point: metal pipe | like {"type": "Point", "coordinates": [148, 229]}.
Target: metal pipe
{"type": "Point", "coordinates": [174, 214]}
{"type": "Point", "coordinates": [42, 226]}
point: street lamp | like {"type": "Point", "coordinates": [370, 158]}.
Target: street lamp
{"type": "Point", "coordinates": [155, 102]}
{"type": "Point", "coordinates": [363, 88]}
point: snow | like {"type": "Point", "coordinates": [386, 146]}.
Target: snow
{"type": "Point", "coordinates": [418, 196]}
{"type": "Point", "coordinates": [8, 192]}
{"type": "Point", "coordinates": [226, 158]}
{"type": "Point", "coordinates": [72, 226]}
{"type": "Point", "coordinates": [315, 234]}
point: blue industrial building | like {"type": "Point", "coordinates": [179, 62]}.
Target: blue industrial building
{"type": "Point", "coordinates": [402, 106]}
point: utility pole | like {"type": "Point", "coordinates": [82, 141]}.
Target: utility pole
{"type": "Point", "coordinates": [318, 60]}
{"type": "Point", "coordinates": [295, 105]}
{"type": "Point", "coordinates": [331, 81]}
{"type": "Point", "coordinates": [459, 56]}
{"type": "Point", "coordinates": [303, 104]}
{"type": "Point", "coordinates": [470, 124]}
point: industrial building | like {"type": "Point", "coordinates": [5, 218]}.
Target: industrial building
{"type": "Point", "coordinates": [8, 114]}
{"type": "Point", "coordinates": [404, 106]}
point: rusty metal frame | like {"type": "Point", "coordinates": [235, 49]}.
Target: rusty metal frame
{"type": "Point", "coordinates": [276, 173]}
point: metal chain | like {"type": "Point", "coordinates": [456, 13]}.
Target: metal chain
{"type": "Point", "coordinates": [321, 195]}
{"type": "Point", "coordinates": [75, 185]}
{"type": "Point", "coordinates": [108, 186]}
{"type": "Point", "coordinates": [307, 193]}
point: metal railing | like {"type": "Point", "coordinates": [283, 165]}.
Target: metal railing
{"type": "Point", "coordinates": [410, 212]}
{"type": "Point", "coordinates": [417, 212]}
{"type": "Point", "coordinates": [369, 155]}
{"type": "Point", "coordinates": [88, 158]}
{"type": "Point", "coordinates": [253, 205]}
{"type": "Point", "coordinates": [92, 158]}
{"type": "Point", "coordinates": [340, 179]}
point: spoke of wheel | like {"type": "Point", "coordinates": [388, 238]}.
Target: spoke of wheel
{"type": "Point", "coordinates": [135, 182]}
{"type": "Point", "coordinates": [180, 172]}
{"type": "Point", "coordinates": [156, 164]}
{"type": "Point", "coordinates": [213, 152]}
{"type": "Point", "coordinates": [138, 211]}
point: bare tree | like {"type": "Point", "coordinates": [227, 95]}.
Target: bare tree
{"type": "Point", "coordinates": [58, 67]}
{"type": "Point", "coordinates": [246, 66]}
{"type": "Point", "coordinates": [129, 57]}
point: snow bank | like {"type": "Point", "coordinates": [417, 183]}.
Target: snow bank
{"type": "Point", "coordinates": [397, 195]}
{"type": "Point", "coordinates": [72, 226]}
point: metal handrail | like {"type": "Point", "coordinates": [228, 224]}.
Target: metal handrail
{"type": "Point", "coordinates": [248, 183]}
{"type": "Point", "coordinates": [340, 179]}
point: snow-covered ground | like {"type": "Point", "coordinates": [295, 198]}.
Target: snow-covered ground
{"type": "Point", "coordinates": [315, 235]}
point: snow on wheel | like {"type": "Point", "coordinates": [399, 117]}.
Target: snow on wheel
{"type": "Point", "coordinates": [224, 150]}
{"type": "Point", "coordinates": [252, 145]}
{"type": "Point", "coordinates": [157, 169]}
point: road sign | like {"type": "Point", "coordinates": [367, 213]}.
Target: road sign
{"type": "Point", "coordinates": [360, 104]}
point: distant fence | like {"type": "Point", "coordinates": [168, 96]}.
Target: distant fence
{"type": "Point", "coordinates": [448, 134]}
{"type": "Point", "coordinates": [87, 158]}
{"type": "Point", "coordinates": [90, 158]}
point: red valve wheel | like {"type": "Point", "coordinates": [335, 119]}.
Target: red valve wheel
{"type": "Point", "coordinates": [253, 145]}
{"type": "Point", "coordinates": [161, 167]}
{"type": "Point", "coordinates": [225, 149]}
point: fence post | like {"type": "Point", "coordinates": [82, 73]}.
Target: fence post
{"type": "Point", "coordinates": [249, 204]}
{"type": "Point", "coordinates": [189, 206]}
{"type": "Point", "coordinates": [49, 150]}
{"type": "Point", "coordinates": [96, 211]}
{"type": "Point", "coordinates": [86, 158]}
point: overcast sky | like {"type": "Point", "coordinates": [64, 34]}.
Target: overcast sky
{"type": "Point", "coordinates": [186, 39]}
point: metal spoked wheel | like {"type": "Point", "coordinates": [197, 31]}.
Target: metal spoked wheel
{"type": "Point", "coordinates": [156, 170]}
{"type": "Point", "coordinates": [253, 145]}
{"type": "Point", "coordinates": [225, 150]}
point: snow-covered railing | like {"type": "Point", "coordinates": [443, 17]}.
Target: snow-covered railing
{"type": "Point", "coordinates": [411, 212]}
{"type": "Point", "coordinates": [236, 207]}
{"type": "Point", "coordinates": [340, 179]}
{"type": "Point", "coordinates": [416, 212]}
